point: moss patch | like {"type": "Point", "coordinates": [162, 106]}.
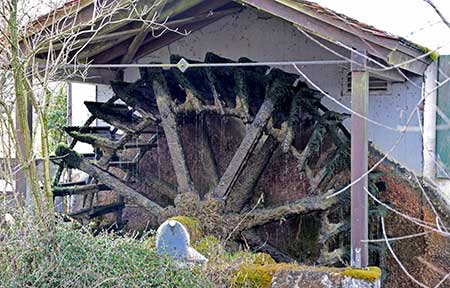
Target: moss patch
{"type": "Point", "coordinates": [71, 158]}
{"type": "Point", "coordinates": [263, 259]}
{"type": "Point", "coordinates": [207, 245]}
{"type": "Point", "coordinates": [259, 275]}
{"type": "Point", "coordinates": [193, 226]}
{"type": "Point", "coordinates": [433, 56]}
{"type": "Point", "coordinates": [370, 274]}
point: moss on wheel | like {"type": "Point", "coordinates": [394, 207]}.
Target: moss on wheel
{"type": "Point", "coordinates": [71, 158]}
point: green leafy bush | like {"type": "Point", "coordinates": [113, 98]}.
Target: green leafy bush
{"type": "Point", "coordinates": [72, 257]}
{"type": "Point", "coordinates": [57, 117]}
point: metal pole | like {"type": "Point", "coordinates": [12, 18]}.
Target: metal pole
{"type": "Point", "coordinates": [359, 163]}
{"type": "Point", "coordinates": [183, 64]}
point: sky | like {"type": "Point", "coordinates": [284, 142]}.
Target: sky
{"type": "Point", "coordinates": [412, 19]}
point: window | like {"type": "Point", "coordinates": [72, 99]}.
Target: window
{"type": "Point", "coordinates": [376, 85]}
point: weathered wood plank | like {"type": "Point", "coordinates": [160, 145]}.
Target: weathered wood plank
{"type": "Point", "coordinates": [262, 216]}
{"type": "Point", "coordinates": [90, 213]}
{"type": "Point", "coordinates": [79, 189]}
{"type": "Point", "coordinates": [248, 144]}
{"type": "Point", "coordinates": [119, 116]}
{"type": "Point", "coordinates": [251, 174]}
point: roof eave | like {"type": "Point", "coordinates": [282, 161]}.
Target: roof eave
{"type": "Point", "coordinates": [389, 48]}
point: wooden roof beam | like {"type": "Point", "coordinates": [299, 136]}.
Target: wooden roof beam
{"type": "Point", "coordinates": [150, 42]}
{"type": "Point", "coordinates": [124, 14]}
{"type": "Point", "coordinates": [139, 38]}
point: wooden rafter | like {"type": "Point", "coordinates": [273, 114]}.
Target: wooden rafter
{"type": "Point", "coordinates": [128, 33]}
{"type": "Point", "coordinates": [151, 44]}
{"type": "Point", "coordinates": [142, 34]}
{"type": "Point", "coordinates": [173, 8]}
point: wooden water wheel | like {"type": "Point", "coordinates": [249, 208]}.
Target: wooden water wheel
{"type": "Point", "coordinates": [243, 149]}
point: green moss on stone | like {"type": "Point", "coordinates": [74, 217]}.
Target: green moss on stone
{"type": "Point", "coordinates": [370, 274]}
{"type": "Point", "coordinates": [193, 226]}
{"type": "Point", "coordinates": [259, 276]}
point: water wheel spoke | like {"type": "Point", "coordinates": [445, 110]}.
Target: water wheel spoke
{"type": "Point", "coordinates": [207, 157]}
{"type": "Point", "coordinates": [97, 211]}
{"type": "Point", "coordinates": [74, 160]}
{"type": "Point", "coordinates": [248, 144]}
{"type": "Point", "coordinates": [78, 189]}
{"type": "Point", "coordinates": [169, 124]}
{"type": "Point", "coordinates": [251, 174]}
{"type": "Point", "coordinates": [265, 215]}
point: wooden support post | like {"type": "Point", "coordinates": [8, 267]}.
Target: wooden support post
{"type": "Point", "coordinates": [359, 162]}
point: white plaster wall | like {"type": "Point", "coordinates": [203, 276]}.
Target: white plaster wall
{"type": "Point", "coordinates": [429, 147]}
{"type": "Point", "coordinates": [263, 38]}
{"type": "Point", "coordinates": [81, 92]}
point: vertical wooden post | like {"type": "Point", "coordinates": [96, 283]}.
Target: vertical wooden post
{"type": "Point", "coordinates": [359, 162]}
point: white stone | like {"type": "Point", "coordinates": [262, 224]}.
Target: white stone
{"type": "Point", "coordinates": [173, 239]}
